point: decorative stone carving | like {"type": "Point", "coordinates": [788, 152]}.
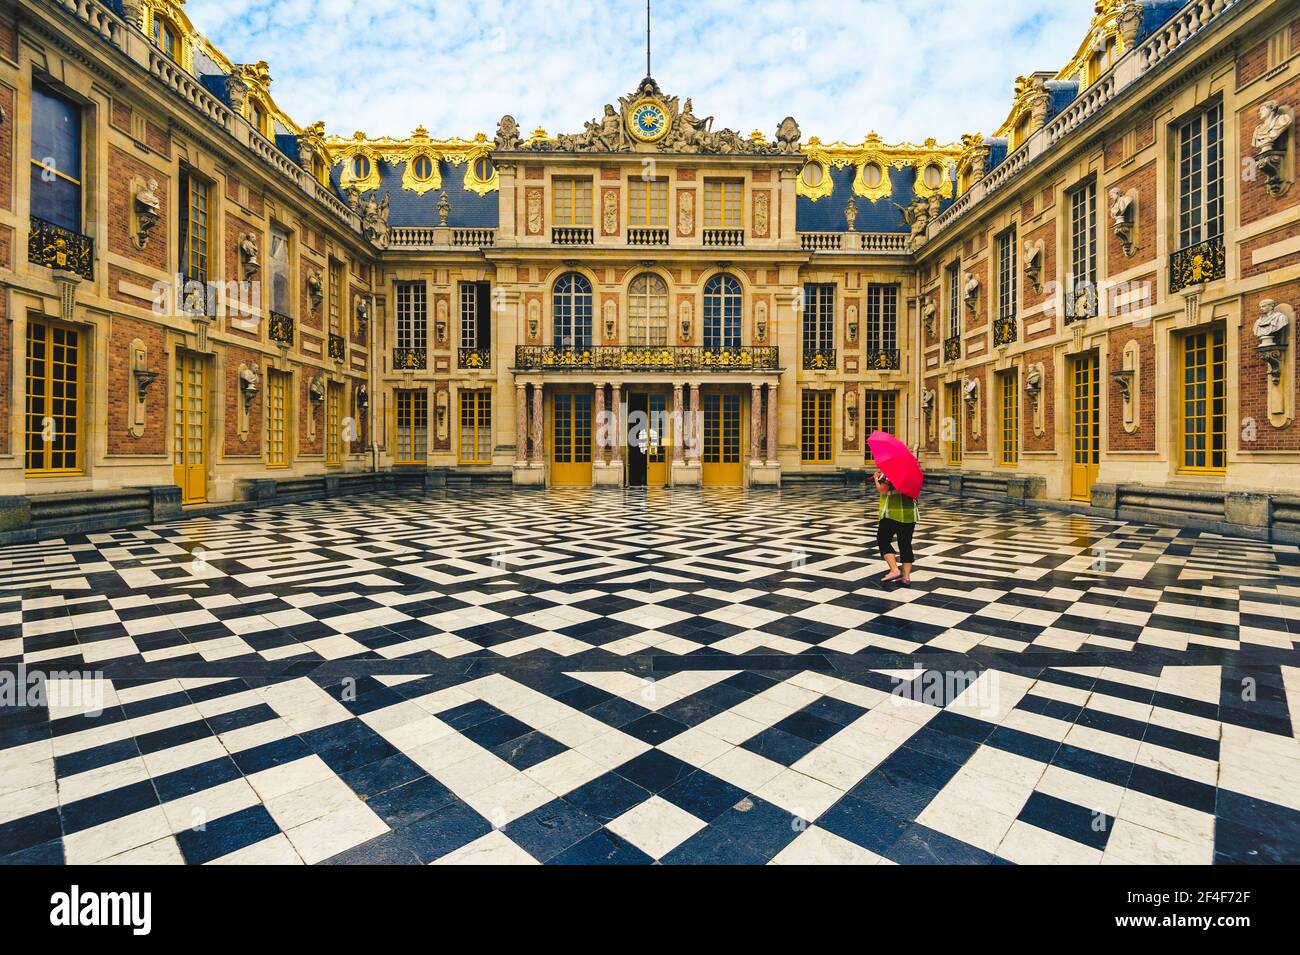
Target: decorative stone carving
{"type": "Point", "coordinates": [762, 205]}
{"type": "Point", "coordinates": [787, 137]}
{"type": "Point", "coordinates": [534, 212]}
{"type": "Point", "coordinates": [442, 404]}
{"type": "Point", "coordinates": [1271, 139]}
{"type": "Point", "coordinates": [610, 311]}
{"type": "Point", "coordinates": [534, 320]}
{"type": "Point", "coordinates": [315, 288]}
{"type": "Point", "coordinates": [760, 321]}
{"type": "Point", "coordinates": [927, 411]}
{"type": "Point", "coordinates": [444, 209]}
{"type": "Point", "coordinates": [507, 137]}
{"type": "Point", "coordinates": [1034, 376]}
{"type": "Point", "coordinates": [970, 392]}
{"type": "Point", "coordinates": [1129, 22]}
{"type": "Point", "coordinates": [686, 213]}
{"type": "Point", "coordinates": [1272, 325]}
{"type": "Point", "coordinates": [362, 317]}
{"type": "Point", "coordinates": [144, 379]}
{"type": "Point", "coordinates": [851, 416]}
{"type": "Point", "coordinates": [917, 216]}
{"type": "Point", "coordinates": [148, 212]}
{"type": "Point", "coordinates": [1034, 264]}
{"type": "Point", "coordinates": [851, 323]}
{"type": "Point", "coordinates": [971, 292]}
{"type": "Point", "coordinates": [1273, 329]}
{"type": "Point", "coordinates": [1126, 380]}
{"type": "Point", "coordinates": [851, 214]}
{"type": "Point", "coordinates": [440, 322]}
{"type": "Point", "coordinates": [928, 311]}
{"type": "Point", "coordinates": [316, 390]}
{"type": "Point", "coordinates": [374, 220]}
{"type": "Point", "coordinates": [236, 93]}
{"type": "Point", "coordinates": [609, 212]}
{"type": "Point", "coordinates": [1123, 218]}
{"type": "Point", "coordinates": [248, 384]}
{"type": "Point", "coordinates": [363, 397]}
{"type": "Point", "coordinates": [248, 255]}
{"type": "Point", "coordinates": [684, 314]}
{"type": "Point", "coordinates": [141, 378]}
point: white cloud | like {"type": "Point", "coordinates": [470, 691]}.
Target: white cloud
{"type": "Point", "coordinates": [907, 69]}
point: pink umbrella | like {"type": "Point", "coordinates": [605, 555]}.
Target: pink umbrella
{"type": "Point", "coordinates": [897, 463]}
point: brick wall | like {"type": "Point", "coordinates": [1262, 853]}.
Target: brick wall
{"type": "Point", "coordinates": [312, 315]}
{"type": "Point", "coordinates": [1047, 275]}
{"type": "Point", "coordinates": [121, 388]}
{"type": "Point", "coordinates": [1253, 381]}
{"type": "Point", "coordinates": [1256, 203]}
{"type": "Point", "coordinates": [936, 415]}
{"type": "Point", "coordinates": [232, 401]}
{"type": "Point", "coordinates": [308, 409]}
{"type": "Point", "coordinates": [235, 229]}
{"type": "Point", "coordinates": [1251, 64]}
{"type": "Point", "coordinates": [980, 317]}
{"type": "Point", "coordinates": [980, 443]}
{"type": "Point", "coordinates": [1145, 437]}
{"type": "Point", "coordinates": [1250, 269]}
{"type": "Point", "coordinates": [1047, 397]}
{"type": "Point", "coordinates": [9, 42]}
{"type": "Point", "coordinates": [1143, 181]}
{"type": "Point", "coordinates": [122, 170]}
{"type": "Point", "coordinates": [6, 148]}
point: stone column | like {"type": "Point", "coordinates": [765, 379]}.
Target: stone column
{"type": "Point", "coordinates": [539, 456]}
{"type": "Point", "coordinates": [771, 423]}
{"type": "Point", "coordinates": [521, 423]}
{"type": "Point", "coordinates": [755, 423]}
{"type": "Point", "coordinates": [616, 420]}
{"type": "Point", "coordinates": [600, 417]}
{"type": "Point", "coordinates": [679, 423]}
{"type": "Point", "coordinates": [696, 429]}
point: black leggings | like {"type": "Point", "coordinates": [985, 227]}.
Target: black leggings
{"type": "Point", "coordinates": [887, 530]}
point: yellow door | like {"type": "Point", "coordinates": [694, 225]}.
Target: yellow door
{"type": "Point", "coordinates": [334, 426]}
{"type": "Point", "coordinates": [1087, 427]}
{"type": "Point", "coordinates": [656, 467]}
{"type": "Point", "coordinates": [190, 465]}
{"type": "Point", "coordinates": [722, 464]}
{"type": "Point", "coordinates": [571, 438]}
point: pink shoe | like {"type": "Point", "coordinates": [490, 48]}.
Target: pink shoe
{"type": "Point", "coordinates": [890, 578]}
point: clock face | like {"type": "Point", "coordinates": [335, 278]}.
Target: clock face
{"type": "Point", "coordinates": [647, 121]}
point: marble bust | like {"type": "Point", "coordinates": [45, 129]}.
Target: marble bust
{"type": "Point", "coordinates": [1272, 324]}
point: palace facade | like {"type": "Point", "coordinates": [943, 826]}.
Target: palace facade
{"type": "Point", "coordinates": [1092, 304]}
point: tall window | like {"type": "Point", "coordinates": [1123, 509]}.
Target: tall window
{"type": "Point", "coordinates": [1200, 177]}
{"type": "Point", "coordinates": [277, 416]}
{"type": "Point", "coordinates": [333, 425]}
{"type": "Point", "coordinates": [194, 227]}
{"type": "Point", "coordinates": [53, 409]}
{"type": "Point", "coordinates": [1205, 412]}
{"type": "Point", "coordinates": [647, 311]}
{"type": "Point", "coordinates": [336, 297]}
{"type": "Point", "coordinates": [412, 412]}
{"type": "Point", "coordinates": [278, 268]}
{"type": "Point", "coordinates": [648, 202]}
{"type": "Point", "coordinates": [1009, 418]}
{"type": "Point", "coordinates": [816, 423]}
{"type": "Point", "coordinates": [953, 413]}
{"type": "Point", "coordinates": [722, 306]}
{"type": "Point", "coordinates": [571, 306]}
{"type": "Point", "coordinates": [56, 159]}
{"type": "Point", "coordinates": [475, 315]}
{"type": "Point", "coordinates": [476, 427]}
{"type": "Point", "coordinates": [165, 37]}
{"type": "Point", "coordinates": [571, 205]}
{"type": "Point", "coordinates": [412, 315]}
{"type": "Point", "coordinates": [882, 317]}
{"type": "Point", "coordinates": [954, 300]}
{"type": "Point", "coordinates": [818, 317]}
{"type": "Point", "coordinates": [722, 198]}
{"type": "Point", "coordinates": [1007, 275]}
{"type": "Point", "coordinates": [1082, 291]}
{"type": "Point", "coordinates": [879, 413]}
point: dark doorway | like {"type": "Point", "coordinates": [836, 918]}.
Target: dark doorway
{"type": "Point", "coordinates": [636, 457]}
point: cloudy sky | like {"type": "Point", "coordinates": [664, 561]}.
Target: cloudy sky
{"type": "Point", "coordinates": [905, 68]}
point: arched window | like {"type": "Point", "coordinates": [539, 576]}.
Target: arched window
{"type": "Point", "coordinates": [722, 306]}
{"type": "Point", "coordinates": [165, 37]}
{"type": "Point", "coordinates": [647, 311]}
{"type": "Point", "coordinates": [572, 310]}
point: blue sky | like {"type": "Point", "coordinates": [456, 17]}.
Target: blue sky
{"type": "Point", "coordinates": [907, 69]}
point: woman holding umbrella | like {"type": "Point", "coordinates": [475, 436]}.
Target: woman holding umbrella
{"type": "Point", "coordinates": [898, 482]}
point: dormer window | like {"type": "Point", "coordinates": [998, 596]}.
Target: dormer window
{"type": "Point", "coordinates": [932, 176]}
{"type": "Point", "coordinates": [422, 168]}
{"type": "Point", "coordinates": [812, 174]}
{"type": "Point", "coordinates": [166, 37]}
{"type": "Point", "coordinates": [258, 117]}
{"type": "Point", "coordinates": [872, 175]}
{"type": "Point", "coordinates": [360, 167]}
{"type": "Point", "coordinates": [483, 169]}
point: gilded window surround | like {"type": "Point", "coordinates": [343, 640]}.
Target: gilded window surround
{"type": "Point", "coordinates": [873, 151]}
{"type": "Point", "coordinates": [404, 152]}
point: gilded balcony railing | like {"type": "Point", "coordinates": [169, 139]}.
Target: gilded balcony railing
{"type": "Point", "coordinates": [882, 359]}
{"type": "Point", "coordinates": [410, 359]}
{"type": "Point", "coordinates": [1004, 330]}
{"type": "Point", "coordinates": [952, 348]}
{"type": "Point", "coordinates": [474, 358]}
{"type": "Point", "coordinates": [1081, 303]}
{"type": "Point", "coordinates": [280, 329]}
{"type": "Point", "coordinates": [645, 358]}
{"type": "Point", "coordinates": [1197, 264]}
{"type": "Point", "coordinates": [818, 359]}
{"type": "Point", "coordinates": [58, 248]}
{"type": "Point", "coordinates": [338, 347]}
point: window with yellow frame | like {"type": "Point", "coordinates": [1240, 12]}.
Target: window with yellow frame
{"type": "Point", "coordinates": [571, 201]}
{"type": "Point", "coordinates": [334, 426]}
{"type": "Point", "coordinates": [54, 399]}
{"type": "Point", "coordinates": [648, 202]}
{"type": "Point", "coordinates": [816, 426]}
{"type": "Point", "coordinates": [166, 37]}
{"type": "Point", "coordinates": [476, 426]}
{"type": "Point", "coordinates": [1008, 419]}
{"type": "Point", "coordinates": [879, 413]}
{"type": "Point", "coordinates": [722, 203]}
{"type": "Point", "coordinates": [1204, 402]}
{"type": "Point", "coordinates": [412, 420]}
{"type": "Point", "coordinates": [953, 422]}
{"type": "Point", "coordinates": [277, 417]}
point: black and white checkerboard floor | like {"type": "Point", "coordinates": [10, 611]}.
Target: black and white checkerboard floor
{"type": "Point", "coordinates": [668, 676]}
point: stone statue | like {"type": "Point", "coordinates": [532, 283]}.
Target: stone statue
{"type": "Point", "coordinates": [363, 397]}
{"type": "Point", "coordinates": [787, 137]}
{"type": "Point", "coordinates": [363, 317]}
{"type": "Point", "coordinates": [971, 291]}
{"type": "Point", "coordinates": [971, 390]}
{"type": "Point", "coordinates": [1272, 325]}
{"type": "Point", "coordinates": [374, 220]}
{"type": "Point", "coordinates": [1121, 218]}
{"type": "Point", "coordinates": [148, 212]}
{"type": "Point", "coordinates": [316, 389]}
{"type": "Point", "coordinates": [248, 382]}
{"type": "Point", "coordinates": [1034, 264]}
{"type": "Point", "coordinates": [1269, 138]}
{"type": "Point", "coordinates": [917, 216]}
{"type": "Point", "coordinates": [927, 315]}
{"type": "Point", "coordinates": [248, 255]}
{"type": "Point", "coordinates": [1034, 384]}
{"type": "Point", "coordinates": [927, 401]}
{"type": "Point", "coordinates": [1129, 22]}
{"type": "Point", "coordinates": [315, 288]}
{"type": "Point", "coordinates": [851, 214]}
{"type": "Point", "coordinates": [444, 209]}
{"type": "Point", "coordinates": [507, 137]}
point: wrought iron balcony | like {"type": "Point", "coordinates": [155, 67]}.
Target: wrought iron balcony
{"type": "Point", "coordinates": [280, 329]}
{"type": "Point", "coordinates": [1005, 330]}
{"type": "Point", "coordinates": [58, 248]}
{"type": "Point", "coordinates": [638, 235]}
{"type": "Point", "coordinates": [673, 358]}
{"type": "Point", "coordinates": [724, 237]}
{"type": "Point", "coordinates": [1197, 264]}
{"type": "Point", "coordinates": [952, 348]}
{"type": "Point", "coordinates": [410, 359]}
{"type": "Point", "coordinates": [338, 347]}
{"type": "Point", "coordinates": [572, 235]}
{"type": "Point", "coordinates": [474, 358]}
{"type": "Point", "coordinates": [882, 359]}
{"type": "Point", "coordinates": [1081, 304]}
{"type": "Point", "coordinates": [818, 359]}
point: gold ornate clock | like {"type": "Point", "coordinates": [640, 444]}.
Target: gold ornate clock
{"type": "Point", "coordinates": [647, 121]}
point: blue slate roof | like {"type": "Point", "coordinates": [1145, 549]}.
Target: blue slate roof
{"type": "Point", "coordinates": [1155, 14]}
{"type": "Point", "coordinates": [469, 210]}
{"type": "Point", "coordinates": [827, 213]}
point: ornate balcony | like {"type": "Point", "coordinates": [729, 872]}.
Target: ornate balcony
{"type": "Point", "coordinates": [882, 359]}
{"type": "Point", "coordinates": [952, 348]}
{"type": "Point", "coordinates": [410, 359]}
{"type": "Point", "coordinates": [731, 238]}
{"type": "Point", "coordinates": [280, 329]}
{"type": "Point", "coordinates": [478, 238]}
{"type": "Point", "coordinates": [637, 235]}
{"type": "Point", "coordinates": [1081, 304]}
{"type": "Point", "coordinates": [572, 235]}
{"type": "Point", "coordinates": [1005, 330]}
{"type": "Point", "coordinates": [674, 358]}
{"type": "Point", "coordinates": [818, 359]}
{"type": "Point", "coordinates": [474, 358]}
{"type": "Point", "coordinates": [338, 347]}
{"type": "Point", "coordinates": [58, 248]}
{"type": "Point", "coordinates": [1197, 264]}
